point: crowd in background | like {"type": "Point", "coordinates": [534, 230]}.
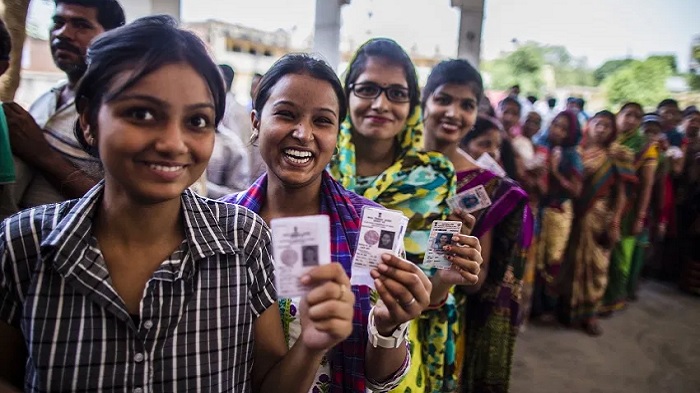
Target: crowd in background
{"type": "Point", "coordinates": [628, 207]}
{"type": "Point", "coordinates": [116, 273]}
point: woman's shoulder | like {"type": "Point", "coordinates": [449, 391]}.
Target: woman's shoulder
{"type": "Point", "coordinates": [428, 169]}
{"type": "Point", "coordinates": [506, 185]}
{"type": "Point", "coordinates": [23, 233]}
{"type": "Point", "coordinates": [228, 209]}
{"type": "Point", "coordinates": [619, 152]}
{"type": "Point", "coordinates": [358, 201]}
{"type": "Point", "coordinates": [478, 176]}
{"type": "Point", "coordinates": [434, 161]}
{"type": "Point", "coordinates": [239, 225]}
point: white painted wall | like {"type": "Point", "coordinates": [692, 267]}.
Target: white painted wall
{"type": "Point", "coordinates": [135, 9]}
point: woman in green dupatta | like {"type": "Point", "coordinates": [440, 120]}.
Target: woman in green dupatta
{"type": "Point", "coordinates": [628, 254]}
{"type": "Point", "coordinates": [607, 170]}
{"type": "Point", "coordinates": [379, 157]}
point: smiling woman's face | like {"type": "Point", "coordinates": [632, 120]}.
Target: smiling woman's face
{"type": "Point", "coordinates": [298, 128]}
{"type": "Point", "coordinates": [154, 141]}
{"type": "Point", "coordinates": [379, 118]}
{"type": "Point", "coordinates": [449, 113]}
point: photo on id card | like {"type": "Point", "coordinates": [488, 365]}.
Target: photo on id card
{"type": "Point", "coordinates": [441, 234]}
{"type": "Point", "coordinates": [382, 231]}
{"type": "Point", "coordinates": [298, 245]}
{"type": "Point", "coordinates": [473, 200]}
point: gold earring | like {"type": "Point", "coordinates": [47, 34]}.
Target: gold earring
{"type": "Point", "coordinates": [253, 136]}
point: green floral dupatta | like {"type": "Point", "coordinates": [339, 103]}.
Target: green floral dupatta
{"type": "Point", "coordinates": [417, 183]}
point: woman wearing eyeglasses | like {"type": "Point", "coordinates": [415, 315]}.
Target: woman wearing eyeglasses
{"type": "Point", "coordinates": [379, 157]}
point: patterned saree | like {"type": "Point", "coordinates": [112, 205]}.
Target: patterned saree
{"type": "Point", "coordinates": [488, 320]}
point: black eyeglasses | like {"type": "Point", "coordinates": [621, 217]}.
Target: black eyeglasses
{"type": "Point", "coordinates": [371, 90]}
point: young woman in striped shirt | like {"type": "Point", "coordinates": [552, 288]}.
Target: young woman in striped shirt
{"type": "Point", "coordinates": [142, 285]}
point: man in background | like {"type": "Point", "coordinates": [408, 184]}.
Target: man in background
{"type": "Point", "coordinates": [50, 164]}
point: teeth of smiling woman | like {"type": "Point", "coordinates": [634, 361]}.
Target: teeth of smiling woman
{"type": "Point", "coordinates": [298, 153]}
{"type": "Point", "coordinates": [450, 126]}
{"type": "Point", "coordinates": [166, 168]}
{"type": "Point", "coordinates": [298, 156]}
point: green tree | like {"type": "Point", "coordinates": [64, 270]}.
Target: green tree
{"type": "Point", "coordinates": [640, 81]}
{"type": "Point", "coordinates": [526, 66]}
{"type": "Point", "coordinates": [523, 66]}
{"type": "Point", "coordinates": [670, 60]}
{"type": "Point", "coordinates": [694, 81]}
{"type": "Point", "coordinates": [500, 73]}
{"type": "Point", "coordinates": [528, 59]}
{"type": "Point", "coordinates": [608, 68]}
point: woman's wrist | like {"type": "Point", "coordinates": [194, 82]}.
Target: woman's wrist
{"type": "Point", "coordinates": [440, 291]}
{"type": "Point", "coordinates": [438, 304]}
{"type": "Point", "coordinates": [390, 381]}
{"type": "Point", "coordinates": [305, 352]}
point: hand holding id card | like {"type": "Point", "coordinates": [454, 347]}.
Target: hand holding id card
{"type": "Point", "coordinates": [441, 234]}
{"type": "Point", "coordinates": [299, 244]}
{"type": "Point", "coordinates": [382, 231]}
{"type": "Point", "coordinates": [471, 200]}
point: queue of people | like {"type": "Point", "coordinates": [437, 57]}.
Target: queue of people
{"type": "Point", "coordinates": [615, 198]}
{"type": "Point", "coordinates": [117, 275]}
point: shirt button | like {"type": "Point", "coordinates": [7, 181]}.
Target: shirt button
{"type": "Point", "coordinates": [148, 324]}
{"type": "Point", "coordinates": [138, 390]}
{"type": "Point", "coordinates": [138, 358]}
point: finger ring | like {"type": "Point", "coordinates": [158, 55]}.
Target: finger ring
{"type": "Point", "coordinates": [342, 292]}
{"type": "Point", "coordinates": [406, 305]}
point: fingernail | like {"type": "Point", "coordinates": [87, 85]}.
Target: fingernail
{"type": "Point", "coordinates": [383, 268]}
{"type": "Point", "coordinates": [386, 257]}
{"type": "Point", "coordinates": [378, 283]}
{"type": "Point", "coordinates": [305, 279]}
{"type": "Point", "coordinates": [446, 248]}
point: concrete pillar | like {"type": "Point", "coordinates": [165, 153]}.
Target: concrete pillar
{"type": "Point", "coordinates": [470, 27]}
{"type": "Point", "coordinates": [327, 30]}
{"type": "Point", "coordinates": [135, 9]}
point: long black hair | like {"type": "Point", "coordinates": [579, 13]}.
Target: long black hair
{"type": "Point", "coordinates": [141, 48]}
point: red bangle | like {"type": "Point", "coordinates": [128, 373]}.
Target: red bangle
{"type": "Point", "coordinates": [439, 304]}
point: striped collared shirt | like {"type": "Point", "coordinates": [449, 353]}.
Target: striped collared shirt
{"type": "Point", "coordinates": [195, 328]}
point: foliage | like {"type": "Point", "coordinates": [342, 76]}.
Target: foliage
{"type": "Point", "coordinates": [670, 60]}
{"type": "Point", "coordinates": [608, 68]}
{"type": "Point", "coordinates": [526, 66]}
{"type": "Point", "coordinates": [694, 81]}
{"type": "Point", "coordinates": [640, 81]}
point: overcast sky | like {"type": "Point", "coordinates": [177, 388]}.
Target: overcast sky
{"type": "Point", "coordinates": [596, 29]}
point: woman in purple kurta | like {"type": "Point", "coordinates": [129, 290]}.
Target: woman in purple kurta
{"type": "Point", "coordinates": [487, 313]}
